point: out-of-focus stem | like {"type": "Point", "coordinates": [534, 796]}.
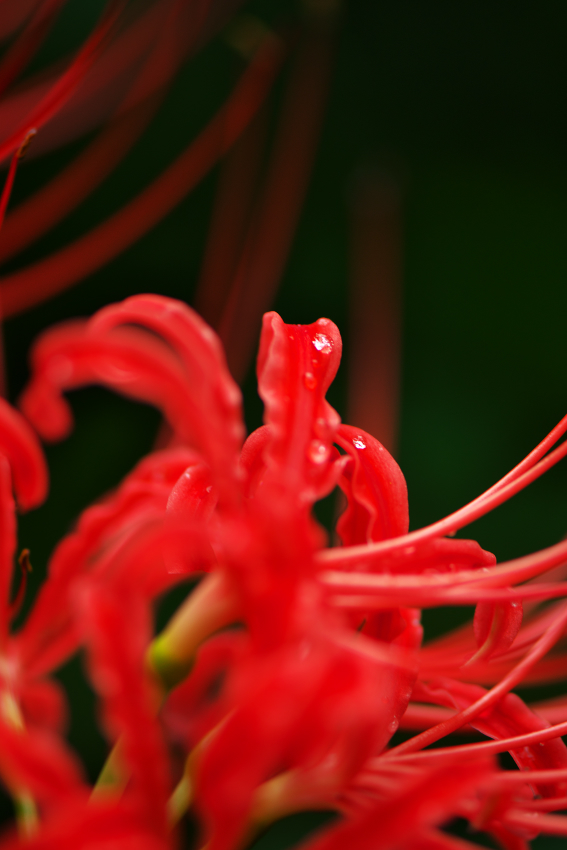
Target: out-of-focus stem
{"type": "Point", "coordinates": [180, 800]}
{"type": "Point", "coordinates": [375, 306]}
{"type": "Point", "coordinates": [210, 607]}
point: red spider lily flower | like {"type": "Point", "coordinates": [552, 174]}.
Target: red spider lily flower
{"type": "Point", "coordinates": [284, 675]}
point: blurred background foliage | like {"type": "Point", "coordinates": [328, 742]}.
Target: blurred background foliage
{"type": "Point", "coordinates": [463, 104]}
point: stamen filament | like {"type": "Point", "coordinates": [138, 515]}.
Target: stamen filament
{"type": "Point", "coordinates": [489, 699]}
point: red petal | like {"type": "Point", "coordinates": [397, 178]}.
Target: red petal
{"type": "Point", "coordinates": [116, 628]}
{"type": "Point", "coordinates": [49, 635]}
{"type": "Point", "coordinates": [375, 488]}
{"type": "Point", "coordinates": [128, 360]}
{"type": "Point", "coordinates": [43, 705]}
{"type": "Point", "coordinates": [39, 762]}
{"type": "Point", "coordinates": [296, 365]}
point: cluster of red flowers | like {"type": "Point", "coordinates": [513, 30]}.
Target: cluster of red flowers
{"type": "Point", "coordinates": [283, 676]}
{"type": "Point", "coordinates": [279, 683]}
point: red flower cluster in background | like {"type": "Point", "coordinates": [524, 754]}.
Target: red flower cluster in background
{"type": "Point", "coordinates": [283, 676]}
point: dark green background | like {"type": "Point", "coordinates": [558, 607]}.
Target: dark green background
{"type": "Point", "coordinates": [469, 100]}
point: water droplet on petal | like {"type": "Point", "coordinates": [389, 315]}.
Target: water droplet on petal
{"type": "Point", "coordinates": [359, 443]}
{"type": "Point", "coordinates": [318, 452]}
{"type": "Point", "coordinates": [309, 380]}
{"type": "Point", "coordinates": [322, 343]}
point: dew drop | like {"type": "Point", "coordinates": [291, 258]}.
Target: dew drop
{"type": "Point", "coordinates": [309, 380]}
{"type": "Point", "coordinates": [359, 443]}
{"type": "Point", "coordinates": [322, 343]}
{"type": "Point", "coordinates": [318, 452]}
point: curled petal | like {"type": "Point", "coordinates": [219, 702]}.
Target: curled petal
{"type": "Point", "coordinates": [128, 360]}
{"type": "Point", "coordinates": [216, 421]}
{"type": "Point", "coordinates": [296, 365]}
{"type": "Point", "coordinates": [426, 563]}
{"type": "Point", "coordinates": [375, 488]}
